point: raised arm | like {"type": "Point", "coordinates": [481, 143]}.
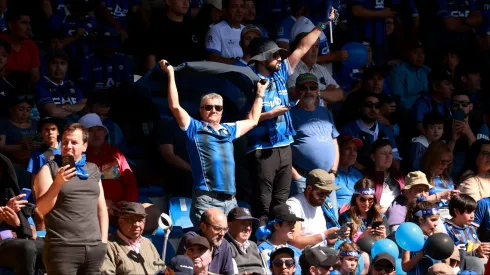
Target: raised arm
{"type": "Point", "coordinates": [181, 116]}
{"type": "Point", "coordinates": [304, 46]}
{"type": "Point", "coordinates": [253, 117]}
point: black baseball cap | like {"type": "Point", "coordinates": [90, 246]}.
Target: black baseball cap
{"type": "Point", "coordinates": [133, 208]}
{"type": "Point", "coordinates": [281, 249]}
{"type": "Point", "coordinates": [317, 256]}
{"type": "Point", "coordinates": [181, 265]}
{"type": "Point", "coordinates": [200, 240]}
{"type": "Point", "coordinates": [241, 213]}
{"type": "Point", "coordinates": [284, 212]}
{"type": "Point", "coordinates": [261, 48]}
{"type": "Point", "coordinates": [384, 257]}
{"type": "Point", "coordinates": [438, 75]}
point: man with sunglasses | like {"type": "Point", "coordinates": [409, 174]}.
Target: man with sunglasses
{"type": "Point", "coordinates": [318, 260]}
{"type": "Point", "coordinates": [210, 147]}
{"type": "Point", "coordinates": [460, 130]}
{"type": "Point", "coordinates": [269, 154]}
{"type": "Point", "coordinates": [368, 130]}
{"type": "Point", "coordinates": [282, 261]}
{"type": "Point", "coordinates": [383, 264]}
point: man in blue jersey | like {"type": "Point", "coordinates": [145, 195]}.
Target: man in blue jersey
{"type": "Point", "coordinates": [115, 13]}
{"type": "Point", "coordinates": [55, 96]}
{"type": "Point", "coordinates": [210, 147]}
{"type": "Point", "coordinates": [269, 153]}
{"type": "Point", "coordinates": [49, 131]}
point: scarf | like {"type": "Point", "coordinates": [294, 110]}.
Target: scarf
{"type": "Point", "coordinates": [81, 172]}
{"type": "Point", "coordinates": [133, 245]}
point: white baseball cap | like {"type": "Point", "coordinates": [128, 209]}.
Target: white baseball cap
{"type": "Point", "coordinates": [92, 120]}
{"type": "Point", "coordinates": [216, 3]}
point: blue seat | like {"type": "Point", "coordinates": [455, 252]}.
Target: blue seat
{"type": "Point", "coordinates": [179, 212]}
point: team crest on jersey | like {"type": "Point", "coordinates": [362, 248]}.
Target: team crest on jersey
{"type": "Point", "coordinates": [280, 31]}
{"type": "Point", "coordinates": [72, 91]}
{"type": "Point", "coordinates": [109, 69]}
{"type": "Point", "coordinates": [194, 38]}
{"type": "Point", "coordinates": [210, 38]}
{"type": "Point", "coordinates": [380, 4]}
{"type": "Point", "coordinates": [118, 12]}
{"type": "Point", "coordinates": [89, 25]}
{"type": "Point", "coordinates": [121, 67]}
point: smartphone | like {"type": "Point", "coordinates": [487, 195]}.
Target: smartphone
{"type": "Point", "coordinates": [26, 191]}
{"type": "Point", "coordinates": [343, 229]}
{"type": "Point", "coordinates": [376, 224]}
{"type": "Point", "coordinates": [458, 115]}
{"type": "Point", "coordinates": [68, 160]}
{"type": "Point", "coordinates": [263, 81]}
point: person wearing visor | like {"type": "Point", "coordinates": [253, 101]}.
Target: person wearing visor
{"type": "Point", "coordinates": [210, 146]}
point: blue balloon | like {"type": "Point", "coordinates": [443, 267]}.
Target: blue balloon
{"type": "Point", "coordinates": [409, 236]}
{"type": "Point", "coordinates": [385, 245]}
{"type": "Point", "coordinates": [398, 268]}
{"type": "Point", "coordinates": [358, 55]}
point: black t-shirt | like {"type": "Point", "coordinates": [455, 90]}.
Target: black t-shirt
{"type": "Point", "coordinates": [176, 42]}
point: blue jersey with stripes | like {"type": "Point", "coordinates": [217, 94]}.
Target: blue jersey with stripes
{"type": "Point", "coordinates": [372, 29]}
{"type": "Point", "coordinates": [119, 9]}
{"type": "Point", "coordinates": [98, 73]}
{"type": "Point", "coordinates": [211, 155]}
{"type": "Point", "coordinates": [464, 237]}
{"type": "Point", "coordinates": [455, 9]}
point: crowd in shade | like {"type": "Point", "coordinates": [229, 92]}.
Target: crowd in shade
{"type": "Point", "coordinates": [317, 137]}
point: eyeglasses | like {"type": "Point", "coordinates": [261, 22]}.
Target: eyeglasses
{"type": "Point", "coordinates": [370, 200]}
{"type": "Point", "coordinates": [132, 219]}
{"type": "Point", "coordinates": [445, 162]}
{"type": "Point", "coordinates": [387, 269]}
{"type": "Point", "coordinates": [306, 88]}
{"type": "Point", "coordinates": [485, 153]}
{"type": "Point", "coordinates": [457, 103]}
{"type": "Point", "coordinates": [218, 108]}
{"type": "Point", "coordinates": [279, 263]}
{"type": "Point", "coordinates": [370, 105]}
{"type": "Point", "coordinates": [218, 229]}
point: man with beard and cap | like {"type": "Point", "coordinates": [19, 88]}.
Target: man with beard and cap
{"type": "Point", "coordinates": [368, 130]}
{"type": "Point", "coordinates": [269, 153]}
{"type": "Point", "coordinates": [213, 228]}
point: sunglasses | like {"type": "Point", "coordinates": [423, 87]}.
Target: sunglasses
{"type": "Point", "coordinates": [276, 55]}
{"type": "Point", "coordinates": [387, 269]}
{"type": "Point", "coordinates": [370, 200]}
{"type": "Point", "coordinates": [218, 108]}
{"type": "Point", "coordinates": [463, 103]}
{"type": "Point", "coordinates": [370, 105]}
{"type": "Point", "coordinates": [306, 88]}
{"type": "Point", "coordinates": [279, 263]}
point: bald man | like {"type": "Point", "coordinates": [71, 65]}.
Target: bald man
{"type": "Point", "coordinates": [213, 226]}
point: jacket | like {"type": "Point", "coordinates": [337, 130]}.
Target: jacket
{"type": "Point", "coordinates": [378, 178]}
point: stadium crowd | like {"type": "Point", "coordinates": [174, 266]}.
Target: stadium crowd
{"type": "Point", "coordinates": [304, 133]}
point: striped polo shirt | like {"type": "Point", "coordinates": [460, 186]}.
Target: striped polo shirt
{"type": "Point", "coordinates": [464, 237]}
{"type": "Point", "coordinates": [211, 155]}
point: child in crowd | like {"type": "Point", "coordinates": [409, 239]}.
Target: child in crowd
{"type": "Point", "coordinates": [351, 260]}
{"type": "Point", "coordinates": [464, 234]}
{"type": "Point", "coordinates": [426, 215]}
{"type": "Point", "coordinates": [433, 124]}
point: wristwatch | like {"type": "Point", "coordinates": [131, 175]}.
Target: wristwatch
{"type": "Point", "coordinates": [335, 172]}
{"type": "Point", "coordinates": [260, 96]}
{"type": "Point", "coordinates": [322, 26]}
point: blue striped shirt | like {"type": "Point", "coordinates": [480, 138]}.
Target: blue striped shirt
{"type": "Point", "coordinates": [482, 219]}
{"type": "Point", "coordinates": [211, 155]}
{"type": "Point", "coordinates": [372, 29]}
{"type": "Point", "coordinates": [462, 235]}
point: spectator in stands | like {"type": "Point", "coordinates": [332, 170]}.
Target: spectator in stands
{"type": "Point", "coordinates": [6, 89]}
{"type": "Point", "coordinates": [308, 206]}
{"type": "Point", "coordinates": [180, 265]}
{"type": "Point", "coordinates": [484, 131]}
{"type": "Point", "coordinates": [328, 89]}
{"type": "Point", "coordinates": [283, 33]}
{"type": "Point", "coordinates": [56, 96]}
{"type": "Point", "coordinates": [383, 264]}
{"type": "Point", "coordinates": [438, 99]}
{"type": "Point", "coordinates": [213, 174]}
{"type": "Point", "coordinates": [199, 250]}
{"type": "Point", "coordinates": [317, 260]}
{"type": "Point", "coordinates": [408, 78]}
{"type": "Point", "coordinates": [48, 128]}
{"type": "Point", "coordinates": [250, 16]}
{"type": "Point", "coordinates": [459, 131]}
{"type": "Point", "coordinates": [364, 212]}
{"type": "Point", "coordinates": [185, 44]}
{"type": "Point", "coordinates": [468, 79]}
{"type": "Point", "coordinates": [116, 13]}
{"type": "Point", "coordinates": [223, 38]}
{"type": "Point", "coordinates": [248, 34]}
{"type": "Point", "coordinates": [18, 249]}
{"type": "Point", "coordinates": [368, 130]}
{"type": "Point", "coordinates": [347, 175]}
{"type": "Point", "coordinates": [349, 258]}
{"type": "Point", "coordinates": [25, 55]}
{"type": "Point", "coordinates": [246, 258]}
{"type": "Point", "coordinates": [464, 234]}
{"type": "Point", "coordinates": [269, 153]}
{"type": "Point", "coordinates": [107, 67]}
{"type": "Point", "coordinates": [436, 165]}
{"type": "Point", "coordinates": [209, 14]}
{"type": "Point", "coordinates": [283, 261]}
{"type": "Point", "coordinates": [482, 219]}
{"type": "Point", "coordinates": [213, 228]}
{"type": "Point", "coordinates": [312, 149]}
{"type": "Point", "coordinates": [280, 230]}
{"type": "Point", "coordinates": [416, 189]}
{"type": "Point", "coordinates": [17, 134]}
{"type": "Point", "coordinates": [74, 243]}
{"type": "Point", "coordinates": [128, 252]}
{"type": "Point", "coordinates": [450, 59]}
{"type": "Point", "coordinates": [426, 215]}
{"type": "Point", "coordinates": [433, 131]}
{"type": "Point", "coordinates": [475, 180]}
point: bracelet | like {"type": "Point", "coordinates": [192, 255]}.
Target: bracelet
{"type": "Point", "coordinates": [322, 26]}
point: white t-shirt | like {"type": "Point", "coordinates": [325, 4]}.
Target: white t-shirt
{"type": "Point", "coordinates": [323, 75]}
{"type": "Point", "coordinates": [314, 220]}
{"type": "Point", "coordinates": [388, 195]}
{"type": "Point", "coordinates": [224, 40]}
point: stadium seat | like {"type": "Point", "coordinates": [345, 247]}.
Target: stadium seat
{"type": "Point", "coordinates": [179, 212]}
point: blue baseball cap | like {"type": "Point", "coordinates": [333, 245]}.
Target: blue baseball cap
{"type": "Point", "coordinates": [181, 265]}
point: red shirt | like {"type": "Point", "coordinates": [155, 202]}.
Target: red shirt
{"type": "Point", "coordinates": [118, 179]}
{"type": "Point", "coordinates": [25, 59]}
